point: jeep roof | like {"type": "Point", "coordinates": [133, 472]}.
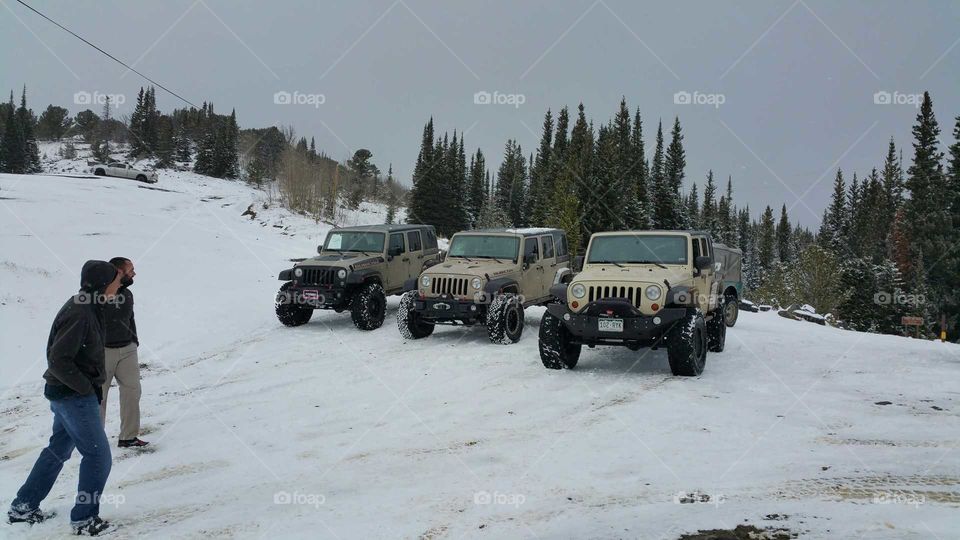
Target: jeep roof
{"type": "Point", "coordinates": [529, 231]}
{"type": "Point", "coordinates": [653, 231]}
{"type": "Point", "coordinates": [384, 228]}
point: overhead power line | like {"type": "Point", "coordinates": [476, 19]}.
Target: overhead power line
{"type": "Point", "coordinates": [112, 57]}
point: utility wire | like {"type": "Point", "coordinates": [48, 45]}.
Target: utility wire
{"type": "Point", "coordinates": [112, 57]}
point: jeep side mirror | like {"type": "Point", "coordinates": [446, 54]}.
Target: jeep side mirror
{"type": "Point", "coordinates": [320, 248]}
{"type": "Point", "coordinates": [702, 262]}
{"type": "Point", "coordinates": [578, 263]}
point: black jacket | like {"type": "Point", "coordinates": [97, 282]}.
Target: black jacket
{"type": "Point", "coordinates": [75, 346]}
{"type": "Point", "coordinates": [118, 320]}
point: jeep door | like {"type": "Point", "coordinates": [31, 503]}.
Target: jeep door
{"type": "Point", "coordinates": [415, 253]}
{"type": "Point", "coordinates": [550, 263]}
{"type": "Point", "coordinates": [533, 271]}
{"type": "Point", "coordinates": [704, 279]}
{"type": "Point", "coordinates": [398, 262]}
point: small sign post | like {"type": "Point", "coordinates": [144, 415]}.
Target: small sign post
{"type": "Point", "coordinates": [915, 322]}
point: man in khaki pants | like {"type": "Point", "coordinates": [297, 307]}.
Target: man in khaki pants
{"type": "Point", "coordinates": [120, 357]}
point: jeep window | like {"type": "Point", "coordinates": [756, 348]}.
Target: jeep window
{"type": "Point", "coordinates": [484, 247]}
{"type": "Point", "coordinates": [430, 241]}
{"type": "Point", "coordinates": [531, 247]}
{"type": "Point", "coordinates": [354, 241]}
{"type": "Point", "coordinates": [636, 248]}
{"type": "Point", "coordinates": [396, 243]}
{"type": "Point", "coordinates": [562, 245]}
{"type": "Point", "coordinates": [413, 240]}
{"type": "Point", "coordinates": [547, 247]}
{"type": "Point", "coordinates": [696, 249]}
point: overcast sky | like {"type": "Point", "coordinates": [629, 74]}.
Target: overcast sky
{"type": "Point", "coordinates": [796, 79]}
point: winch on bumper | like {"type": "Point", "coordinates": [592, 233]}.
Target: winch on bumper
{"type": "Point", "coordinates": [316, 295]}
{"type": "Point", "coordinates": [623, 323]}
{"type": "Point", "coordinates": [447, 309]}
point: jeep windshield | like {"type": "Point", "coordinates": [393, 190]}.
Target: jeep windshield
{"type": "Point", "coordinates": [354, 241]}
{"type": "Point", "coordinates": [478, 246]}
{"type": "Point", "coordinates": [638, 249]}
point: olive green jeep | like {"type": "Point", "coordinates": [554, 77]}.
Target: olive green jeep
{"type": "Point", "coordinates": [356, 268]}
{"type": "Point", "coordinates": [642, 289]}
{"type": "Point", "coordinates": [488, 277]}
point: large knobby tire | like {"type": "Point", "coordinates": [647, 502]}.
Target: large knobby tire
{"type": "Point", "coordinates": [731, 310]}
{"type": "Point", "coordinates": [505, 319]}
{"type": "Point", "coordinates": [556, 351]}
{"type": "Point", "coordinates": [687, 345]}
{"type": "Point", "coordinates": [409, 321]}
{"type": "Point", "coordinates": [369, 307]}
{"type": "Point", "coordinates": [717, 332]}
{"type": "Point", "coordinates": [289, 312]}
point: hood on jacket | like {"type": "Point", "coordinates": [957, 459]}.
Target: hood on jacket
{"type": "Point", "coordinates": [96, 275]}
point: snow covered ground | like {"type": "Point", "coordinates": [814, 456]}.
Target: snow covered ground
{"type": "Point", "coordinates": [322, 431]}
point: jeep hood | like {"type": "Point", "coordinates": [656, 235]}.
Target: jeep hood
{"type": "Point", "coordinates": [339, 260]}
{"type": "Point", "coordinates": [479, 267]}
{"type": "Point", "coordinates": [646, 273]}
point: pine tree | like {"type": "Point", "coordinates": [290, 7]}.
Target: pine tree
{"type": "Point", "coordinates": [12, 159]}
{"type": "Point", "coordinates": [657, 180]}
{"type": "Point", "coordinates": [577, 173]}
{"type": "Point", "coordinates": [605, 179]}
{"type": "Point", "coordinates": [784, 236]}
{"type": "Point", "coordinates": [834, 224]}
{"type": "Point", "coordinates": [639, 214]}
{"type": "Point", "coordinates": [541, 183]}
{"type": "Point", "coordinates": [767, 243]}
{"type": "Point", "coordinates": [673, 215]}
{"type": "Point", "coordinates": [476, 193]}
{"type": "Point", "coordinates": [693, 207]}
{"type": "Point", "coordinates": [708, 215]}
{"type": "Point", "coordinates": [25, 124]}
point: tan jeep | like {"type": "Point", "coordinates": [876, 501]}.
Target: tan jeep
{"type": "Point", "coordinates": [488, 277]}
{"type": "Point", "coordinates": [356, 268]}
{"type": "Point", "coordinates": [640, 289]}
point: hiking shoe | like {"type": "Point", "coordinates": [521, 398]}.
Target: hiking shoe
{"type": "Point", "coordinates": [92, 527]}
{"type": "Point", "coordinates": [131, 443]}
{"type": "Point", "coordinates": [29, 516]}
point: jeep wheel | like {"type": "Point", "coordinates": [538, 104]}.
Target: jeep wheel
{"type": "Point", "coordinates": [687, 345]}
{"type": "Point", "coordinates": [505, 319]}
{"type": "Point", "coordinates": [411, 325]}
{"type": "Point", "coordinates": [731, 310]}
{"type": "Point", "coordinates": [100, 172]}
{"type": "Point", "coordinates": [556, 351]}
{"type": "Point", "coordinates": [288, 311]}
{"type": "Point", "coordinates": [141, 178]}
{"type": "Point", "coordinates": [369, 307]}
{"type": "Point", "coordinates": [717, 331]}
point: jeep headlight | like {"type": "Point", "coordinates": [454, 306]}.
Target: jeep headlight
{"type": "Point", "coordinates": [578, 290]}
{"type": "Point", "coordinates": [342, 273]}
{"type": "Point", "coordinates": [298, 272]}
{"type": "Point", "coordinates": [653, 292]}
{"type": "Point", "coordinates": [425, 281]}
{"type": "Point", "coordinates": [477, 282]}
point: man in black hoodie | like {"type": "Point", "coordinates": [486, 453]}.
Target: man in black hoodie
{"type": "Point", "coordinates": [74, 381]}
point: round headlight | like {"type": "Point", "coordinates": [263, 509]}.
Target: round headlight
{"type": "Point", "coordinates": [425, 281]}
{"type": "Point", "coordinates": [653, 292]}
{"type": "Point", "coordinates": [341, 273]}
{"type": "Point", "coordinates": [298, 272]}
{"type": "Point", "coordinates": [578, 290]}
{"type": "Point", "coordinates": [477, 282]}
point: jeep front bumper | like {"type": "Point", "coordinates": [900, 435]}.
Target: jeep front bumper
{"type": "Point", "coordinates": [319, 297]}
{"type": "Point", "coordinates": [626, 324]}
{"type": "Point", "coordinates": [448, 309]}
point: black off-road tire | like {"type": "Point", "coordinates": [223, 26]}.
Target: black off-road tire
{"type": "Point", "coordinates": [142, 178]}
{"type": "Point", "coordinates": [717, 332]}
{"type": "Point", "coordinates": [369, 307]}
{"type": "Point", "coordinates": [731, 310]}
{"type": "Point", "coordinates": [409, 321]}
{"type": "Point", "coordinates": [289, 312]}
{"type": "Point", "coordinates": [556, 351]}
{"type": "Point", "coordinates": [505, 319]}
{"type": "Point", "coordinates": [687, 345]}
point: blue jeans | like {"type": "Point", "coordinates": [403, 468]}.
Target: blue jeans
{"type": "Point", "coordinates": [76, 424]}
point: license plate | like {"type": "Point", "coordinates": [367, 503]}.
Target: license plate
{"type": "Point", "coordinates": [311, 295]}
{"type": "Point", "coordinates": [441, 306]}
{"type": "Point", "coordinates": [610, 325]}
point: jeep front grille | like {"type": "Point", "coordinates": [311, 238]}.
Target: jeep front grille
{"type": "Point", "coordinates": [448, 285]}
{"type": "Point", "coordinates": [318, 276]}
{"type": "Point", "coordinates": [630, 294]}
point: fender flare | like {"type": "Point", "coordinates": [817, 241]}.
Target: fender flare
{"type": "Point", "coordinates": [362, 276]}
{"type": "Point", "coordinates": [410, 284]}
{"type": "Point", "coordinates": [286, 275]}
{"type": "Point", "coordinates": [680, 296]}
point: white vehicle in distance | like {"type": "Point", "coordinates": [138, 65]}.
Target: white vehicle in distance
{"type": "Point", "coordinates": [124, 170]}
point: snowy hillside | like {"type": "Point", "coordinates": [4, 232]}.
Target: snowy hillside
{"type": "Point", "coordinates": [321, 431]}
